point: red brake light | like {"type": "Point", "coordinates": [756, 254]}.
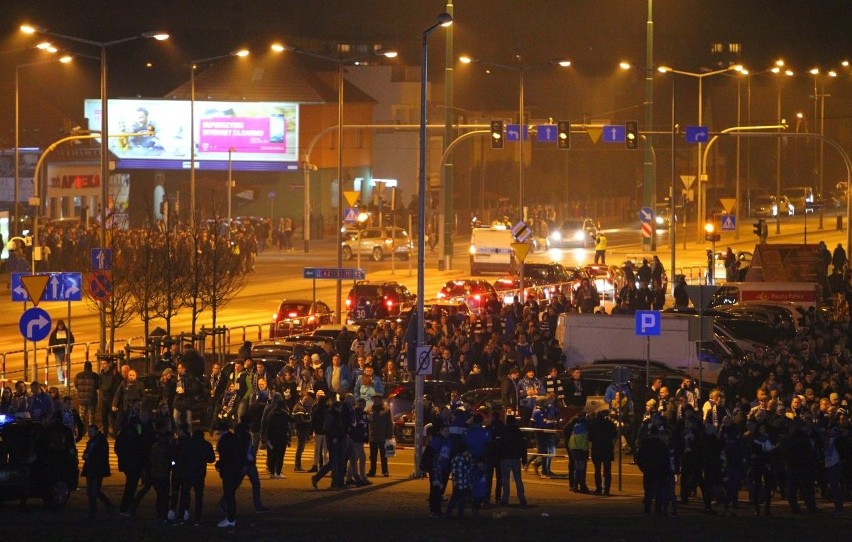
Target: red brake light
{"type": "Point", "coordinates": [441, 295]}
{"type": "Point", "coordinates": [477, 297]}
{"type": "Point", "coordinates": [389, 303]}
{"type": "Point", "coordinates": [348, 302]}
{"type": "Point", "coordinates": [292, 314]}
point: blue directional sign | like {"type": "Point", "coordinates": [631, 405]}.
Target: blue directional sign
{"type": "Point", "coordinates": [513, 132]}
{"type": "Point", "coordinates": [729, 223]}
{"type": "Point", "coordinates": [350, 215]}
{"type": "Point", "coordinates": [35, 324]}
{"type": "Point", "coordinates": [613, 133]}
{"type": "Point", "coordinates": [697, 134]}
{"type": "Point", "coordinates": [101, 259]}
{"type": "Point", "coordinates": [648, 323]}
{"type": "Point", "coordinates": [546, 133]}
{"type": "Point", "coordinates": [646, 214]}
{"type": "Point", "coordinates": [335, 273]}
{"type": "Point", "coordinates": [60, 287]}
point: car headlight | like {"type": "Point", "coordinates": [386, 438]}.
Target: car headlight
{"type": "Point", "coordinates": [659, 220]}
{"type": "Point", "coordinates": [472, 249]}
{"type": "Point", "coordinates": [580, 235]}
{"type": "Point", "coordinates": [556, 236]}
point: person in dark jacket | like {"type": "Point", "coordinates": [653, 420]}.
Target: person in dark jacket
{"type": "Point", "coordinates": [110, 381]}
{"type": "Point", "coordinates": [319, 411]}
{"type": "Point", "coordinates": [381, 429]}
{"type": "Point", "coordinates": [60, 345]}
{"type": "Point", "coordinates": [275, 432]}
{"type": "Point", "coordinates": [95, 469]}
{"type": "Point", "coordinates": [193, 460]}
{"type": "Point", "coordinates": [512, 446]}
{"type": "Point", "coordinates": [336, 433]}
{"type": "Point", "coordinates": [87, 383]}
{"type": "Point", "coordinates": [187, 392]}
{"type": "Point", "coordinates": [231, 465]}
{"type": "Point", "coordinates": [129, 450]}
{"type": "Point", "coordinates": [602, 435]}
{"type": "Point", "coordinates": [129, 392]}
{"type": "Point", "coordinates": [302, 415]}
{"type": "Point", "coordinates": [652, 459]}
{"type": "Point", "coordinates": [161, 470]}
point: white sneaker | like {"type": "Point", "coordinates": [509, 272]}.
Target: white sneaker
{"type": "Point", "coordinates": [186, 515]}
{"type": "Point", "coordinates": [171, 515]}
{"type": "Point", "coordinates": [226, 523]}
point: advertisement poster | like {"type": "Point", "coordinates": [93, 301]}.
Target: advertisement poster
{"type": "Point", "coordinates": [156, 133]}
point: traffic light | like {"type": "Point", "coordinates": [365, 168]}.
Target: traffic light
{"type": "Point", "coordinates": [758, 227]}
{"type": "Point", "coordinates": [631, 134]}
{"type": "Point", "coordinates": [710, 232]}
{"type": "Point", "coordinates": [563, 134]}
{"type": "Point", "coordinates": [496, 134]}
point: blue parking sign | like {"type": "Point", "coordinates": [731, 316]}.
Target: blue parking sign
{"type": "Point", "coordinates": [648, 323]}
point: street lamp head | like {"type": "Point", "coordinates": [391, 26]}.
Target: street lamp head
{"type": "Point", "coordinates": [33, 29]}
{"type": "Point", "coordinates": [444, 19]}
{"type": "Point", "coordinates": [800, 115]}
{"type": "Point", "coordinates": [280, 48]}
{"type": "Point", "coordinates": [562, 63]}
{"type": "Point", "coordinates": [65, 59]}
{"type": "Point", "coordinates": [814, 71]}
{"type": "Point", "coordinates": [156, 34]}
{"type": "Point", "coordinates": [464, 59]}
{"type": "Point", "coordinates": [664, 69]}
{"type": "Point", "coordinates": [625, 65]}
{"type": "Point", "coordinates": [47, 46]}
{"type": "Point", "coordinates": [709, 227]}
{"type": "Point", "coordinates": [737, 67]}
{"type": "Point", "coordinates": [240, 53]}
{"type": "Point", "coordinates": [387, 53]}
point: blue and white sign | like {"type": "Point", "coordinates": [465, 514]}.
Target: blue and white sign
{"type": "Point", "coordinates": [646, 214]}
{"type": "Point", "coordinates": [336, 273]}
{"type": "Point", "coordinates": [350, 215]}
{"type": "Point", "coordinates": [513, 132]}
{"type": "Point", "coordinates": [35, 324]}
{"type": "Point", "coordinates": [101, 259]}
{"type": "Point", "coordinates": [546, 133]}
{"type": "Point", "coordinates": [697, 134]}
{"type": "Point", "coordinates": [521, 231]}
{"type": "Point", "coordinates": [60, 287]}
{"type": "Point", "coordinates": [648, 323]}
{"type": "Point", "coordinates": [729, 223]}
{"type": "Point", "coordinates": [614, 133]}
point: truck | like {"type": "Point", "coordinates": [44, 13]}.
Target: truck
{"type": "Point", "coordinates": [586, 338]}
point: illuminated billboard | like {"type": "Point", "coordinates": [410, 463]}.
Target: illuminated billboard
{"type": "Point", "coordinates": [253, 135]}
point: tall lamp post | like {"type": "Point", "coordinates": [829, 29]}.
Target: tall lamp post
{"type": "Point", "coordinates": [103, 46]}
{"type": "Point", "coordinates": [443, 20]}
{"type": "Point", "coordinates": [64, 60]}
{"type": "Point", "coordinates": [341, 64]}
{"type": "Point", "coordinates": [520, 69]}
{"type": "Point", "coordinates": [819, 113]}
{"type": "Point", "coordinates": [777, 70]}
{"type": "Point", "coordinates": [192, 68]}
{"type": "Point", "coordinates": [702, 203]}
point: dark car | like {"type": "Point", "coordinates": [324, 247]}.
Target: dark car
{"type": "Point", "coordinates": [37, 461]}
{"type": "Point", "coordinates": [475, 292]}
{"type": "Point", "coordinates": [299, 316]}
{"type": "Point", "coordinates": [599, 374]}
{"type": "Point", "coordinates": [280, 350]}
{"type": "Point", "coordinates": [392, 295]}
{"type": "Point", "coordinates": [400, 400]}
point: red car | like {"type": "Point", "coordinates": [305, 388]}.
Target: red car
{"type": "Point", "coordinates": [299, 316]}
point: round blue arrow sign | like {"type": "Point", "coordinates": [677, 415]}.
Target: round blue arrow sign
{"type": "Point", "coordinates": [35, 324]}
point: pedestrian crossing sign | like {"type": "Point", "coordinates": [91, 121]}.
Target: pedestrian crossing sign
{"type": "Point", "coordinates": [729, 223]}
{"type": "Point", "coordinates": [350, 215]}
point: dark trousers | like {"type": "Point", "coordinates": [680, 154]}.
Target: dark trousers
{"type": "Point", "coordinates": [492, 472]}
{"type": "Point", "coordinates": [107, 417]}
{"type": "Point", "coordinates": [654, 486]}
{"type": "Point", "coordinates": [378, 449]}
{"type": "Point", "coordinates": [600, 255]}
{"type": "Point", "coordinates": [458, 500]}
{"type": "Point", "coordinates": [581, 460]}
{"type": "Point", "coordinates": [230, 483]}
{"type": "Point", "coordinates": [93, 492]}
{"type": "Point", "coordinates": [198, 487]}
{"type": "Point", "coordinates": [161, 488]}
{"type": "Point", "coordinates": [301, 439]}
{"type": "Point", "coordinates": [603, 473]}
{"type": "Point", "coordinates": [131, 480]}
{"type": "Point", "coordinates": [801, 479]}
{"type": "Point", "coordinates": [764, 481]}
{"type": "Point", "coordinates": [336, 463]}
{"type": "Point", "coordinates": [275, 457]}
{"type": "Point", "coordinates": [437, 485]}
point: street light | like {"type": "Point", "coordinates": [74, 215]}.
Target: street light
{"type": "Point", "coordinates": [64, 60]}
{"type": "Point", "coordinates": [192, 67]}
{"type": "Point", "coordinates": [443, 20]}
{"type": "Point", "coordinates": [521, 69]}
{"type": "Point", "coordinates": [702, 203]}
{"type": "Point", "coordinates": [778, 69]}
{"type": "Point", "coordinates": [362, 222]}
{"type": "Point", "coordinates": [306, 219]}
{"type": "Point", "coordinates": [103, 46]}
{"type": "Point", "coordinates": [819, 112]}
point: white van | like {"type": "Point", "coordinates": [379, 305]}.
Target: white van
{"type": "Point", "coordinates": [491, 251]}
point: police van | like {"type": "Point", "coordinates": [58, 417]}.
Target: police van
{"type": "Point", "coordinates": [491, 251]}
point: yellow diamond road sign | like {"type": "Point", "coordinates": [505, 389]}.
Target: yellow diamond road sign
{"type": "Point", "coordinates": [35, 285]}
{"type": "Point", "coordinates": [521, 250]}
{"type": "Point", "coordinates": [351, 196]}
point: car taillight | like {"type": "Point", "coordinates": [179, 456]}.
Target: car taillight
{"type": "Point", "coordinates": [389, 303]}
{"type": "Point", "coordinates": [477, 297]}
{"type": "Point", "coordinates": [311, 319]}
{"type": "Point", "coordinates": [441, 295]}
{"type": "Point", "coordinates": [348, 302]}
{"type": "Point", "coordinates": [292, 315]}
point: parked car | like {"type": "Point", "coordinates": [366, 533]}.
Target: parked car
{"type": "Point", "coordinates": [393, 295]}
{"type": "Point", "coordinates": [475, 292]}
{"type": "Point", "coordinates": [299, 316]}
{"type": "Point", "coordinates": [508, 287]}
{"type": "Point", "coordinates": [770, 206]}
{"type": "Point", "coordinates": [377, 243]}
{"type": "Point", "coordinates": [608, 279]}
{"type": "Point", "coordinates": [37, 461]}
{"type": "Point", "coordinates": [400, 401]}
{"type": "Point", "coordinates": [799, 197]}
{"type": "Point", "coordinates": [576, 233]}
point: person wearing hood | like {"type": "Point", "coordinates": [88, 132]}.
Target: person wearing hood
{"type": "Point", "coordinates": [275, 433]}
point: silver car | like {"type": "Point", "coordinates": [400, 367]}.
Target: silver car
{"type": "Point", "coordinates": [377, 243]}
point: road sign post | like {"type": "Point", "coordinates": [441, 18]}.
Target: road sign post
{"type": "Point", "coordinates": [648, 324]}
